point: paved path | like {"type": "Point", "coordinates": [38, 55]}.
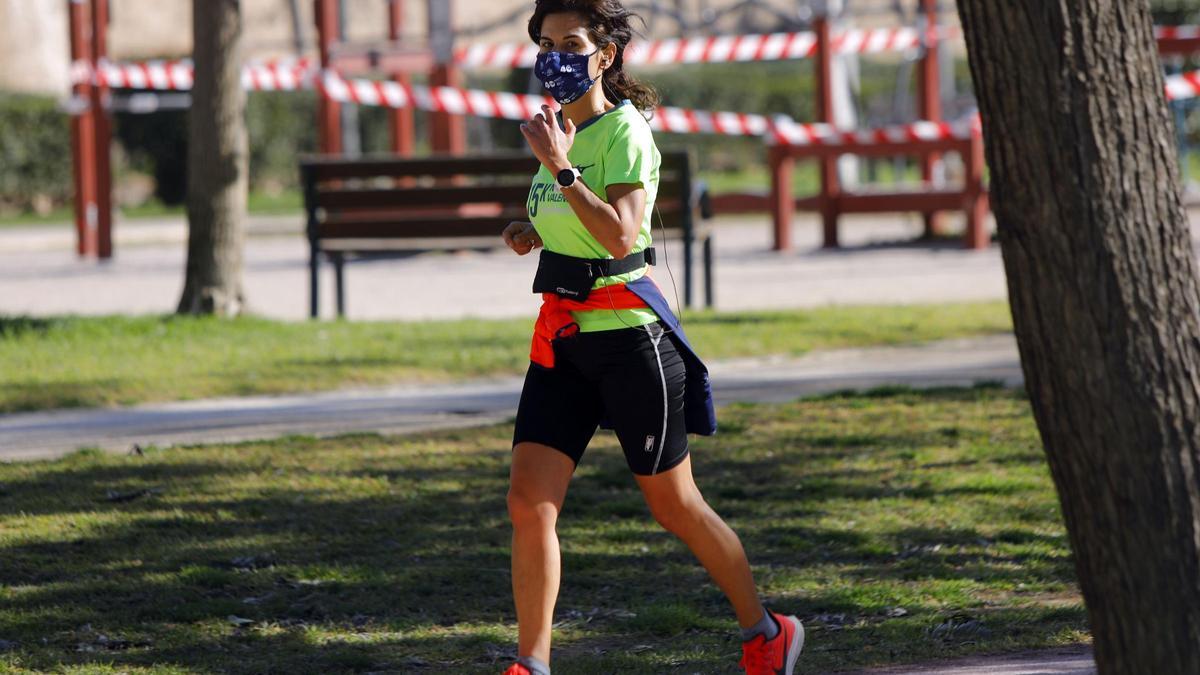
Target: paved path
{"type": "Point", "coordinates": [1066, 661]}
{"type": "Point", "coordinates": [41, 276]}
{"type": "Point", "coordinates": [410, 408]}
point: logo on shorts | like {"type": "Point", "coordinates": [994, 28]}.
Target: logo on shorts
{"type": "Point", "coordinates": [649, 443]}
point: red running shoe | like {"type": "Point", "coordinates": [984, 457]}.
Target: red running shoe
{"type": "Point", "coordinates": [517, 669]}
{"type": "Point", "coordinates": [761, 656]}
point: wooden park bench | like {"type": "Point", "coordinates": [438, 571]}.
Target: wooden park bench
{"type": "Point", "coordinates": [383, 205]}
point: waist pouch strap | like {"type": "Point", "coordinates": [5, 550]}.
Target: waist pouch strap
{"type": "Point", "coordinates": [570, 277]}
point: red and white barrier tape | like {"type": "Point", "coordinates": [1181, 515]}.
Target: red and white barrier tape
{"type": "Point", "coordinates": [434, 99]}
{"type": "Point", "coordinates": [292, 74]}
{"type": "Point", "coordinates": [1176, 32]}
{"type": "Point", "coordinates": [777, 129]}
{"type": "Point", "coordinates": [715, 49]}
{"type": "Point", "coordinates": [282, 75]}
{"type": "Point", "coordinates": [752, 47]}
{"type": "Point", "coordinates": [790, 132]}
{"type": "Point", "coordinates": [522, 106]}
{"type": "Point", "coordinates": [1183, 86]}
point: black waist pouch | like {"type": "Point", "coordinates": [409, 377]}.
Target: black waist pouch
{"type": "Point", "coordinates": [572, 278]}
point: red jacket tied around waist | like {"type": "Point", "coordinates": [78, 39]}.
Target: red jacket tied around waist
{"type": "Point", "coordinates": [555, 321]}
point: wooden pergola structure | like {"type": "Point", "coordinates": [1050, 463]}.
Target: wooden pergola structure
{"type": "Point", "coordinates": [91, 124]}
{"type": "Point", "coordinates": [91, 128]}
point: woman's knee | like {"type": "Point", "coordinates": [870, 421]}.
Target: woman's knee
{"type": "Point", "coordinates": [678, 513]}
{"type": "Point", "coordinates": [526, 508]}
{"type": "Point", "coordinates": [537, 484]}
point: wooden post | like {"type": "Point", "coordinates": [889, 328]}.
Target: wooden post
{"type": "Point", "coordinates": [401, 120]}
{"type": "Point", "coordinates": [830, 183]}
{"type": "Point", "coordinates": [83, 131]}
{"type": "Point", "coordinates": [782, 204]}
{"type": "Point", "coordinates": [449, 131]}
{"type": "Point", "coordinates": [103, 134]}
{"type": "Point", "coordinates": [929, 101]}
{"type": "Point", "coordinates": [977, 236]}
{"type": "Point", "coordinates": [329, 118]}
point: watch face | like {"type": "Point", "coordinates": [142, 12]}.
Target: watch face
{"type": "Point", "coordinates": [566, 177]}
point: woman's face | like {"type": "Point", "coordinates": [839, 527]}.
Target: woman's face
{"type": "Point", "coordinates": [567, 32]}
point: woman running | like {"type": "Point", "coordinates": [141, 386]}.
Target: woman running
{"type": "Point", "coordinates": [607, 349]}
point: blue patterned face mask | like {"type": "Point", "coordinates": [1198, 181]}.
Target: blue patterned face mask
{"type": "Point", "coordinates": [565, 75]}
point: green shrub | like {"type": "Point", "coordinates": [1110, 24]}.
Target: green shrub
{"type": "Point", "coordinates": [35, 153]}
{"type": "Point", "coordinates": [281, 126]}
{"type": "Point", "coordinates": [156, 144]}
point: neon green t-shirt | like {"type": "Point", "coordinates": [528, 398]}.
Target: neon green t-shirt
{"type": "Point", "coordinates": [612, 148]}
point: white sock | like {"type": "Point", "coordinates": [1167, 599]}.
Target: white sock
{"type": "Point", "coordinates": [766, 626]}
{"type": "Point", "coordinates": [534, 665]}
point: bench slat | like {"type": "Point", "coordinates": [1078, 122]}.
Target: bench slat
{"type": "Point", "coordinates": [888, 202]}
{"type": "Point", "coordinates": [349, 228]}
{"type": "Point", "coordinates": [338, 198]}
{"type": "Point", "coordinates": [399, 198]}
{"type": "Point", "coordinates": [332, 169]}
{"type": "Point", "coordinates": [324, 169]}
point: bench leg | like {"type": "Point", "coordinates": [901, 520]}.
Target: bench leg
{"type": "Point", "coordinates": [829, 222]}
{"type": "Point", "coordinates": [339, 266]}
{"type": "Point", "coordinates": [933, 224]}
{"type": "Point", "coordinates": [977, 236]}
{"type": "Point", "coordinates": [687, 272]}
{"type": "Point", "coordinates": [831, 190]}
{"type": "Point", "coordinates": [314, 283]}
{"type": "Point", "coordinates": [977, 198]}
{"type": "Point", "coordinates": [783, 207]}
{"type": "Point", "coordinates": [708, 271]}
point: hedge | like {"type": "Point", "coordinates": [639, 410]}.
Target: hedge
{"type": "Point", "coordinates": [35, 154]}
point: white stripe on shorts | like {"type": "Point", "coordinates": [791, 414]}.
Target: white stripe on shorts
{"type": "Point", "coordinates": [662, 439]}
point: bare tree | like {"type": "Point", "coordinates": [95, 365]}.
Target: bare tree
{"type": "Point", "coordinates": [218, 163]}
{"type": "Point", "coordinates": [1102, 281]}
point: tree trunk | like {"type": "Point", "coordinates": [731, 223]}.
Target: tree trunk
{"type": "Point", "coordinates": [218, 163]}
{"type": "Point", "coordinates": [1101, 278]}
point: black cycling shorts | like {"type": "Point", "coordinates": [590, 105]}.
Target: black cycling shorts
{"type": "Point", "coordinates": [631, 377]}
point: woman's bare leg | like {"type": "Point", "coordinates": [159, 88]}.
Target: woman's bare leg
{"type": "Point", "coordinates": [537, 485]}
{"type": "Point", "coordinates": [678, 506]}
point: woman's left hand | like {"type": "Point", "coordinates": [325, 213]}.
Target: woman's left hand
{"type": "Point", "coordinates": [548, 142]}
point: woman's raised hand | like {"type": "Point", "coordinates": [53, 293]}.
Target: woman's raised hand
{"type": "Point", "coordinates": [548, 142]}
{"type": "Point", "coordinates": [521, 237]}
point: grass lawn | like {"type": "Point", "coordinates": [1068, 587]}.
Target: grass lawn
{"type": "Point", "coordinates": [71, 362]}
{"type": "Point", "coordinates": [900, 526]}
{"type": "Point", "coordinates": [260, 203]}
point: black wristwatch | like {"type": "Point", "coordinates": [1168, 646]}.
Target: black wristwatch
{"type": "Point", "coordinates": [567, 177]}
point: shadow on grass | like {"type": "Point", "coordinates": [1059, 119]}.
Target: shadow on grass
{"type": "Point", "coordinates": [16, 326]}
{"type": "Point", "coordinates": [392, 555]}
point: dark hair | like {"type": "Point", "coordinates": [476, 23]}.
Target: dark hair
{"type": "Point", "coordinates": [608, 23]}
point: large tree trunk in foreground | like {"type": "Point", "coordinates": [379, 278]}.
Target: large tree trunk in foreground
{"type": "Point", "coordinates": [1101, 277]}
{"type": "Point", "coordinates": [218, 163]}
